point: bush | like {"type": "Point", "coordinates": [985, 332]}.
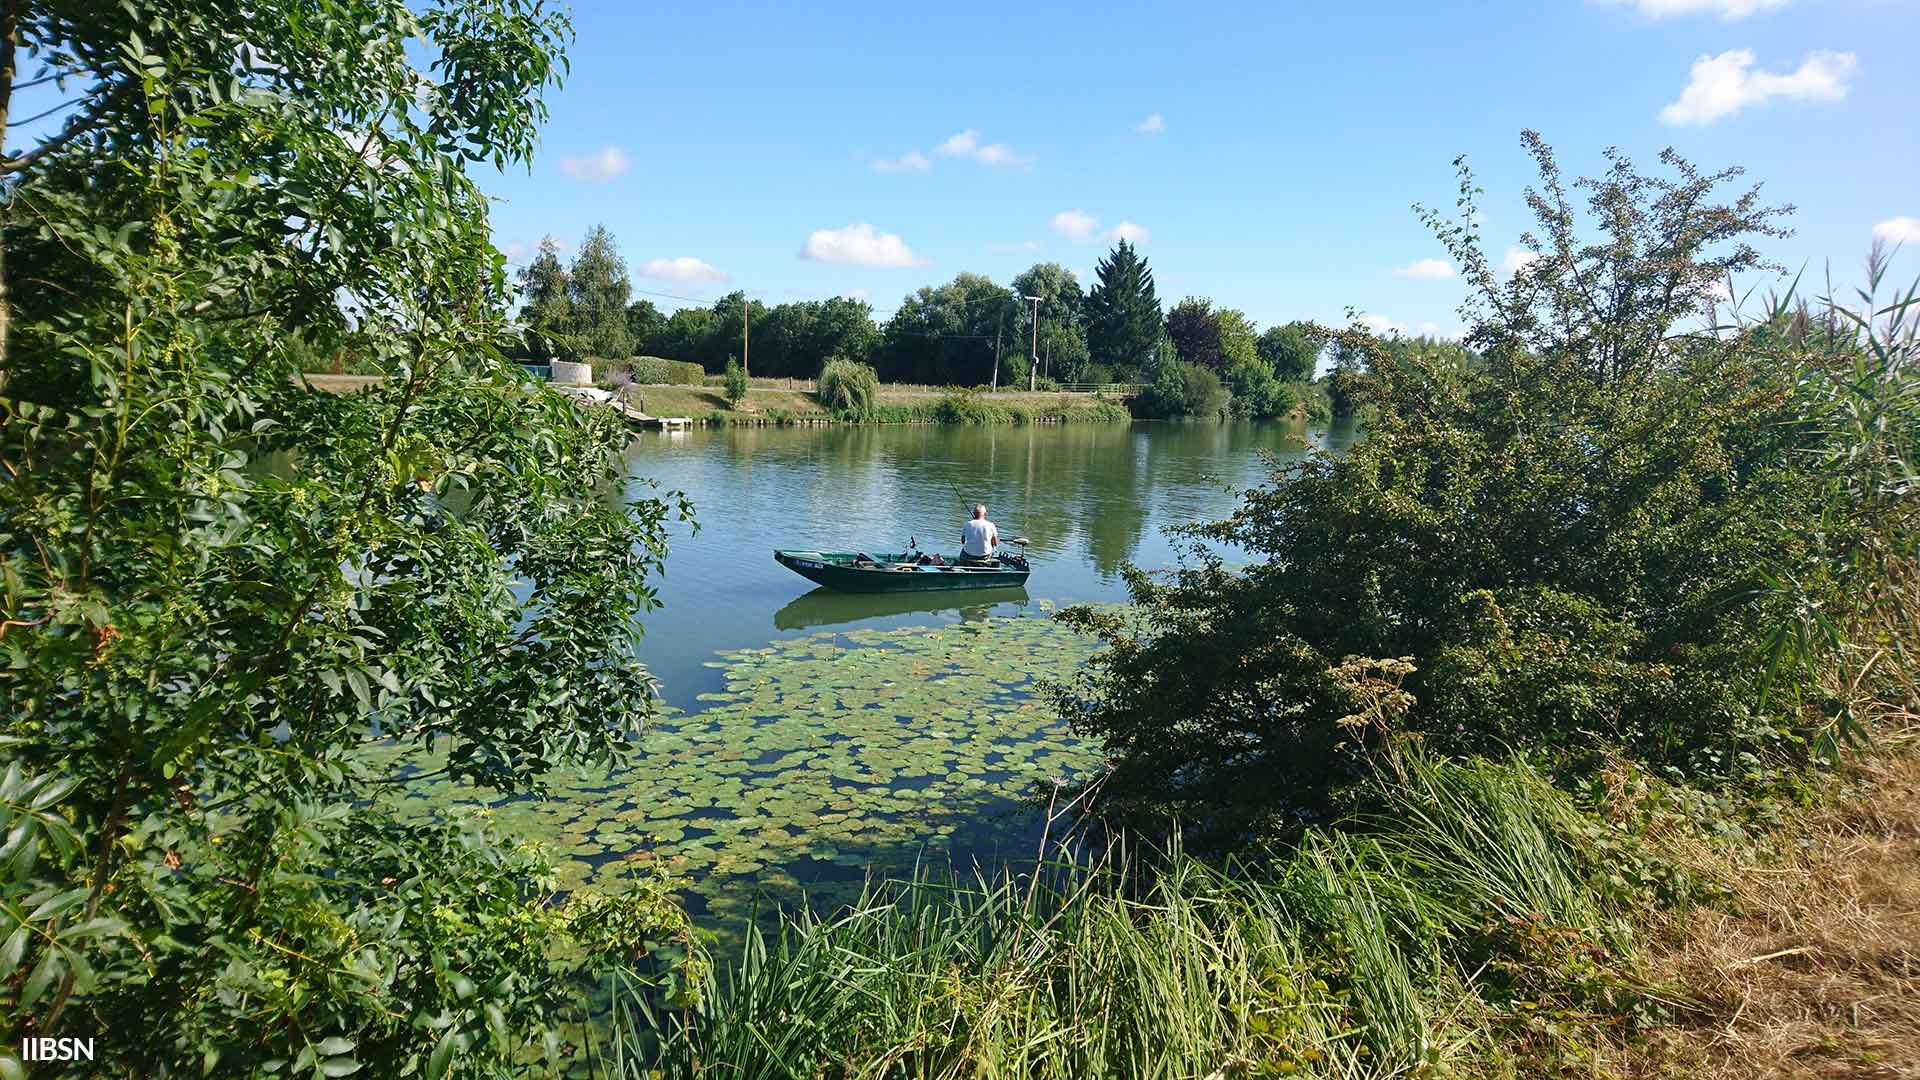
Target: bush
{"type": "Point", "coordinates": [1183, 390]}
{"type": "Point", "coordinates": [968, 407]}
{"type": "Point", "coordinates": [1574, 545]}
{"type": "Point", "coordinates": [661, 371]}
{"type": "Point", "coordinates": [734, 380]}
{"type": "Point", "coordinates": [848, 389]}
{"type": "Point", "coordinates": [1256, 393]}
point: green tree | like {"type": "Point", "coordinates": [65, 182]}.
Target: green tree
{"type": "Point", "coordinates": [598, 289]}
{"type": "Point", "coordinates": [1292, 350]}
{"type": "Point", "coordinates": [546, 310]}
{"type": "Point", "coordinates": [1124, 327]}
{"type": "Point", "coordinates": [735, 382]}
{"type": "Point", "coordinates": [686, 335]}
{"type": "Point", "coordinates": [945, 335]}
{"type": "Point", "coordinates": [235, 607]}
{"type": "Point", "coordinates": [721, 342]}
{"type": "Point", "coordinates": [644, 323]}
{"type": "Point", "coordinates": [1239, 338]}
{"type": "Point", "coordinates": [1063, 336]}
{"type": "Point", "coordinates": [1184, 391]}
{"type": "Point", "coordinates": [794, 340]}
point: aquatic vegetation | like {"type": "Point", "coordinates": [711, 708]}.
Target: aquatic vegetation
{"type": "Point", "coordinates": [824, 757]}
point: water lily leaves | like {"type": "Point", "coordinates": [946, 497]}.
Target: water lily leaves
{"type": "Point", "coordinates": [823, 758]}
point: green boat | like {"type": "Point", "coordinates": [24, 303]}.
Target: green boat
{"type": "Point", "coordinates": [904, 571]}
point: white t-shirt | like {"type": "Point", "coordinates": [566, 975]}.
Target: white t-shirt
{"type": "Point", "coordinates": [977, 537]}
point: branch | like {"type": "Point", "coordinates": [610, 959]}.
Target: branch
{"type": "Point", "coordinates": [74, 129]}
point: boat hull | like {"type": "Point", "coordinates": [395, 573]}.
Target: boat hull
{"type": "Point", "coordinates": [838, 570]}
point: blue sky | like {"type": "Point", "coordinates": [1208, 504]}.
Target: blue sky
{"type": "Point", "coordinates": [1264, 155]}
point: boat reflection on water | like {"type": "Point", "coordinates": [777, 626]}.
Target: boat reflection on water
{"type": "Point", "coordinates": [825, 607]}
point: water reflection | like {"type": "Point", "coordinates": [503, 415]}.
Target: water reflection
{"type": "Point", "coordinates": [1090, 497]}
{"type": "Point", "coordinates": [825, 607]}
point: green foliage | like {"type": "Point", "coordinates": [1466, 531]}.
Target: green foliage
{"type": "Point", "coordinates": [221, 589]}
{"type": "Point", "coordinates": [848, 389]}
{"type": "Point", "coordinates": [1183, 390]}
{"type": "Point", "coordinates": [644, 320]}
{"type": "Point", "coordinates": [945, 336]}
{"type": "Point", "coordinates": [1195, 332]}
{"type": "Point", "coordinates": [1062, 342]}
{"type": "Point", "coordinates": [1124, 327]}
{"type": "Point", "coordinates": [1363, 951]}
{"type": "Point", "coordinates": [1292, 350]}
{"type": "Point", "coordinates": [1256, 393]}
{"type": "Point", "coordinates": [658, 370]}
{"type": "Point", "coordinates": [1568, 542]}
{"type": "Point", "coordinates": [597, 292]}
{"type": "Point", "coordinates": [735, 384]}
{"type": "Point", "coordinates": [795, 340]}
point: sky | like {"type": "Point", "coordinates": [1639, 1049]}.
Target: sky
{"type": "Point", "coordinates": [1264, 155]}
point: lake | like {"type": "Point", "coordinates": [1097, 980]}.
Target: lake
{"type": "Point", "coordinates": [1090, 497]}
{"type": "Point", "coordinates": [815, 738]}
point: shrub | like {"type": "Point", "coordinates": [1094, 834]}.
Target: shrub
{"type": "Point", "coordinates": [658, 370]}
{"type": "Point", "coordinates": [1256, 393]}
{"type": "Point", "coordinates": [1182, 390]}
{"type": "Point", "coordinates": [967, 407]}
{"type": "Point", "coordinates": [735, 382]}
{"type": "Point", "coordinates": [848, 389]}
{"type": "Point", "coordinates": [1570, 540]}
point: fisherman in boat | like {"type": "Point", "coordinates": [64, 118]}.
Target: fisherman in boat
{"type": "Point", "coordinates": [978, 539]}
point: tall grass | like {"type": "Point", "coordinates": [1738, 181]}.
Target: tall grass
{"type": "Point", "coordinates": [1347, 955]}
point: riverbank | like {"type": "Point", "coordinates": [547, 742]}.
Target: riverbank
{"type": "Point", "coordinates": [787, 401]}
{"type": "Point", "coordinates": [1473, 920]}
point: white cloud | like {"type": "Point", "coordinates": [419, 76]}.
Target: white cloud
{"type": "Point", "coordinates": [1723, 85]}
{"type": "Point", "coordinates": [966, 144]}
{"type": "Point", "coordinates": [1023, 245]}
{"type": "Point", "coordinates": [857, 294]}
{"type": "Point", "coordinates": [1427, 329]}
{"type": "Point", "coordinates": [1130, 232]}
{"type": "Point", "coordinates": [685, 270]}
{"type": "Point", "coordinates": [1515, 259]}
{"type": "Point", "coordinates": [1726, 9]}
{"type": "Point", "coordinates": [859, 245]}
{"type": "Point", "coordinates": [1076, 224]}
{"type": "Point", "coordinates": [597, 168]}
{"type": "Point", "coordinates": [1426, 270]}
{"type": "Point", "coordinates": [911, 161]}
{"type": "Point", "coordinates": [1380, 324]}
{"type": "Point", "coordinates": [515, 251]}
{"type": "Point", "coordinates": [1900, 230]}
{"type": "Point", "coordinates": [1152, 125]}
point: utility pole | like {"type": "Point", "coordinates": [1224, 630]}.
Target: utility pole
{"type": "Point", "coordinates": [995, 383]}
{"type": "Point", "coordinates": [1033, 368]}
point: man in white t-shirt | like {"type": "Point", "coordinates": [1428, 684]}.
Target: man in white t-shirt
{"type": "Point", "coordinates": [978, 538]}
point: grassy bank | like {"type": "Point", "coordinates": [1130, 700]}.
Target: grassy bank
{"type": "Point", "coordinates": [790, 401]}
{"type": "Point", "coordinates": [1468, 919]}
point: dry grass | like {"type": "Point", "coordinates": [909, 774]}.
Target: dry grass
{"type": "Point", "coordinates": [1815, 972]}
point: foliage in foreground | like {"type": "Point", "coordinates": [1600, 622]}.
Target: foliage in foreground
{"type": "Point", "coordinates": [219, 587]}
{"type": "Point", "coordinates": [1470, 903]}
{"type": "Point", "coordinates": [1607, 534]}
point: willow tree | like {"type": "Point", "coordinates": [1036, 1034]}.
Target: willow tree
{"type": "Point", "coordinates": [229, 603]}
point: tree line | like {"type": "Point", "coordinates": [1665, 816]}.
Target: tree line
{"type": "Point", "coordinates": [968, 331]}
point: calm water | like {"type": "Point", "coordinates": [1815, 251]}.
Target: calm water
{"type": "Point", "coordinates": [1090, 497]}
{"type": "Point", "coordinates": [828, 737]}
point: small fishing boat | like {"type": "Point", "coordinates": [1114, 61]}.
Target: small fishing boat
{"type": "Point", "coordinates": [905, 571]}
